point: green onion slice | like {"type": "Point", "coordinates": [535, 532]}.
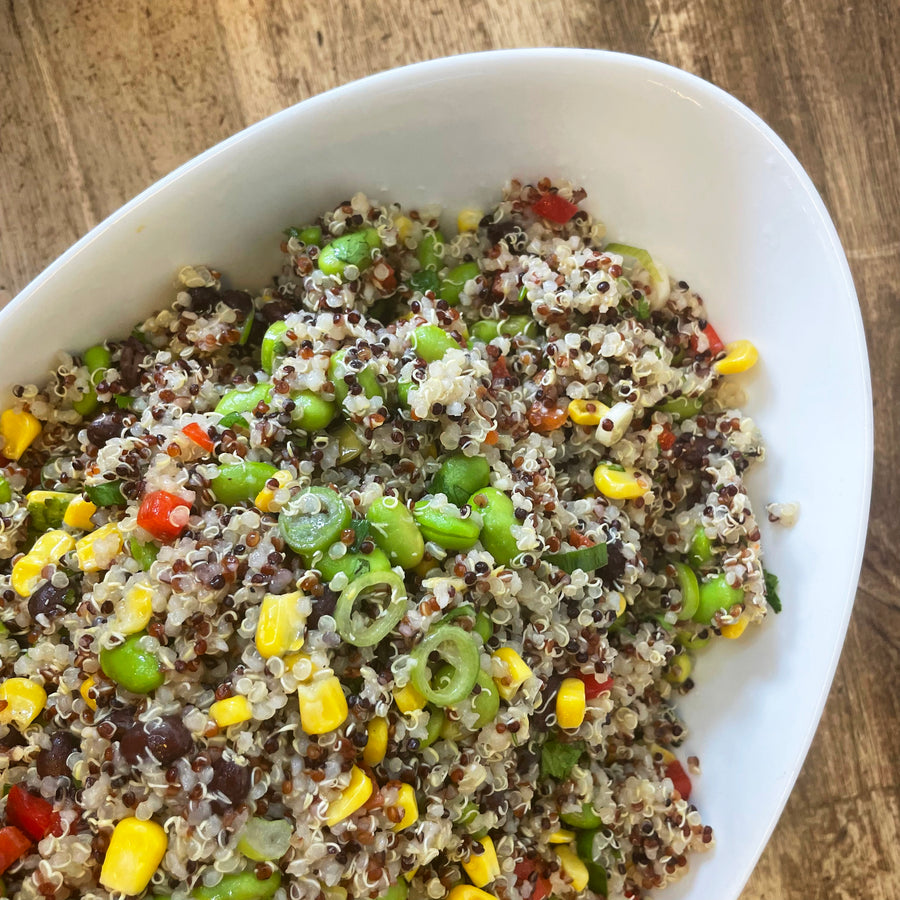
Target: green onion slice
{"type": "Point", "coordinates": [586, 558]}
{"type": "Point", "coordinates": [370, 586]}
{"type": "Point", "coordinates": [455, 647]}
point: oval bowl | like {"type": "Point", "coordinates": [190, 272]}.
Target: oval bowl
{"type": "Point", "coordinates": [671, 163]}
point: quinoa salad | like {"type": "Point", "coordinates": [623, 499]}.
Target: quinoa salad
{"type": "Point", "coordinates": [382, 581]}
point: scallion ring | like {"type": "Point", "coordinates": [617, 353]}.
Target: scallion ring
{"type": "Point", "coordinates": [367, 586]}
{"type": "Point", "coordinates": [455, 647]}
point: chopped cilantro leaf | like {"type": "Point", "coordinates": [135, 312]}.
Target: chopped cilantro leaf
{"type": "Point", "coordinates": [558, 759]}
{"type": "Point", "coordinates": [772, 590]}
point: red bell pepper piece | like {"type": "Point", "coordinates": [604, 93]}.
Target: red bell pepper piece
{"type": "Point", "coordinates": [555, 208]}
{"type": "Point", "coordinates": [33, 814]}
{"type": "Point", "coordinates": [524, 870]}
{"type": "Point", "coordinates": [715, 342]}
{"type": "Point", "coordinates": [13, 845]}
{"type": "Point", "coordinates": [199, 436]}
{"type": "Point", "coordinates": [675, 771]}
{"type": "Point", "coordinates": [164, 515]}
{"type": "Point", "coordinates": [666, 439]}
{"type": "Point", "coordinates": [593, 687]}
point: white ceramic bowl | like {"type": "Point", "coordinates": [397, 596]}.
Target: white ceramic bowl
{"type": "Point", "coordinates": [669, 162]}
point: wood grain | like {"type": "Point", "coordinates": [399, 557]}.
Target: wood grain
{"type": "Point", "coordinates": [99, 98]}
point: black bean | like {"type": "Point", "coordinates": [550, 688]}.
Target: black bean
{"type": "Point", "coordinates": [166, 739]}
{"type": "Point", "coordinates": [276, 311]}
{"type": "Point", "coordinates": [323, 605]}
{"type": "Point", "coordinates": [230, 780]}
{"type": "Point", "coordinates": [615, 561]}
{"type": "Point", "coordinates": [203, 299]}
{"type": "Point", "coordinates": [239, 300]}
{"type": "Point", "coordinates": [47, 600]}
{"type": "Point", "coordinates": [106, 426]}
{"type": "Point", "coordinates": [52, 761]}
{"type": "Point", "coordinates": [121, 719]}
{"type": "Point", "coordinates": [130, 361]}
{"type": "Point", "coordinates": [548, 702]}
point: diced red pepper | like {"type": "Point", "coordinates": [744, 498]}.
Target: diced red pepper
{"type": "Point", "coordinates": [667, 439]}
{"type": "Point", "coordinates": [547, 418]}
{"type": "Point", "coordinates": [593, 687]}
{"type": "Point", "coordinates": [675, 771]}
{"type": "Point", "coordinates": [33, 814]}
{"type": "Point", "coordinates": [164, 515]}
{"type": "Point", "coordinates": [524, 870]}
{"type": "Point", "coordinates": [199, 436]}
{"type": "Point", "coordinates": [715, 342]}
{"type": "Point", "coordinates": [13, 845]}
{"type": "Point", "coordinates": [555, 208]}
{"type": "Point", "coordinates": [576, 539]}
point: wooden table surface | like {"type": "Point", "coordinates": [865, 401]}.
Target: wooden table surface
{"type": "Point", "coordinates": [99, 98]}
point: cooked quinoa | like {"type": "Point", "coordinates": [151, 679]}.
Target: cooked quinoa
{"type": "Point", "coordinates": [576, 382]}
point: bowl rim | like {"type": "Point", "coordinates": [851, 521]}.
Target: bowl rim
{"type": "Point", "coordinates": [687, 86]}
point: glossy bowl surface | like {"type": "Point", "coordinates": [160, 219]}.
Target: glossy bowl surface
{"type": "Point", "coordinates": [671, 163]}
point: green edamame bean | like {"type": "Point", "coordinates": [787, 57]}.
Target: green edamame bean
{"type": "Point", "coordinates": [338, 370]}
{"type": "Point", "coordinates": [272, 350]}
{"type": "Point", "coordinates": [130, 665]}
{"type": "Point", "coordinates": [5, 490]}
{"type": "Point", "coordinates": [395, 531]}
{"type": "Point", "coordinates": [586, 818]}
{"type": "Point", "coordinates": [398, 891]}
{"type": "Point", "coordinates": [485, 330]}
{"type": "Point", "coordinates": [403, 389]}
{"type": "Point", "coordinates": [97, 359]}
{"type": "Point", "coordinates": [311, 235]}
{"type": "Point", "coordinates": [486, 703]}
{"type": "Point", "coordinates": [349, 444]}
{"type": "Point", "coordinates": [716, 594]}
{"type": "Point", "coordinates": [682, 407]}
{"type": "Point", "coordinates": [701, 548]}
{"type": "Point", "coordinates": [431, 342]}
{"type": "Point", "coordinates": [484, 626]}
{"type": "Point", "coordinates": [517, 325]}
{"type": "Point", "coordinates": [460, 476]}
{"type": "Point", "coordinates": [455, 280]}
{"type": "Point", "coordinates": [429, 257]}
{"type": "Point", "coordinates": [445, 526]}
{"type": "Point", "coordinates": [240, 886]}
{"type": "Point", "coordinates": [433, 726]}
{"type": "Point", "coordinates": [241, 481]}
{"type": "Point", "coordinates": [690, 590]}
{"type": "Point", "coordinates": [349, 250]}
{"type": "Point", "coordinates": [498, 515]}
{"type": "Point", "coordinates": [353, 565]}
{"type": "Point", "coordinates": [311, 412]}
{"type": "Point", "coordinates": [313, 520]}
{"type": "Point", "coordinates": [425, 280]}
{"type": "Point", "coordinates": [241, 401]}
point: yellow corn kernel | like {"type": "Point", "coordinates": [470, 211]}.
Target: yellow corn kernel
{"type": "Point", "coordinates": [280, 627]}
{"type": "Point", "coordinates": [561, 836]}
{"type": "Point", "coordinates": [623, 605]}
{"type": "Point", "coordinates": [48, 548]}
{"type": "Point", "coordinates": [404, 227]}
{"type": "Point", "coordinates": [135, 851]}
{"type": "Point", "coordinates": [468, 219]}
{"type": "Point", "coordinates": [376, 746]}
{"type": "Point", "coordinates": [351, 799]}
{"type": "Point", "coordinates": [739, 356]}
{"type": "Point", "coordinates": [323, 706]}
{"type": "Point", "coordinates": [134, 609]}
{"type": "Point", "coordinates": [97, 550]}
{"type": "Point", "coordinates": [570, 703]}
{"type": "Point", "coordinates": [292, 659]}
{"type": "Point", "coordinates": [19, 429]}
{"type": "Point", "coordinates": [483, 868]}
{"type": "Point", "coordinates": [409, 699]}
{"type": "Point", "coordinates": [231, 711]}
{"type": "Point", "coordinates": [408, 876]}
{"type": "Point", "coordinates": [619, 484]}
{"type": "Point", "coordinates": [735, 629]}
{"type": "Point", "coordinates": [85, 691]}
{"type": "Point", "coordinates": [467, 892]}
{"type": "Point", "coordinates": [406, 800]}
{"type": "Point", "coordinates": [573, 867]}
{"type": "Point", "coordinates": [265, 497]}
{"type": "Point", "coordinates": [515, 675]}
{"type": "Point", "coordinates": [78, 514]}
{"type": "Point", "coordinates": [24, 701]}
{"type": "Point", "coordinates": [666, 755]}
{"type": "Point", "coordinates": [587, 412]}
